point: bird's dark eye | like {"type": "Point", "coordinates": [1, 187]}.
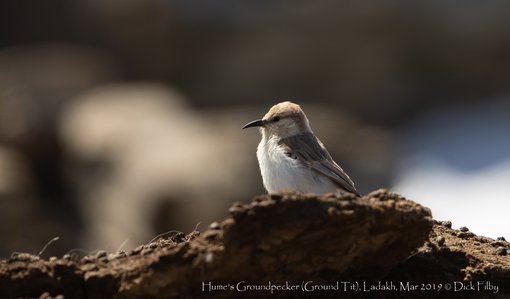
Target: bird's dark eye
{"type": "Point", "coordinates": [276, 118]}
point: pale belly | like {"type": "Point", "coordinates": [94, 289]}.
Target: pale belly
{"type": "Point", "coordinates": [281, 173]}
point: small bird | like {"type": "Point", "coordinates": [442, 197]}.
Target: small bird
{"type": "Point", "coordinates": [291, 158]}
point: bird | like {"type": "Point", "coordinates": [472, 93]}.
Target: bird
{"type": "Point", "coordinates": [292, 159]}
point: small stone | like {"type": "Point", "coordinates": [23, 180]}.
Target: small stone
{"type": "Point", "coordinates": [236, 211]}
{"type": "Point", "coordinates": [100, 254]}
{"type": "Point", "coordinates": [440, 240]}
{"type": "Point", "coordinates": [137, 249]}
{"type": "Point", "coordinates": [211, 235]}
{"type": "Point", "coordinates": [53, 259]}
{"type": "Point", "coordinates": [117, 255]}
{"type": "Point", "coordinates": [209, 257]}
{"type": "Point", "coordinates": [464, 229]}
{"type": "Point", "coordinates": [23, 256]}
{"type": "Point", "coordinates": [465, 235]}
{"type": "Point", "coordinates": [447, 224]}
{"type": "Point", "coordinates": [501, 239]}
{"type": "Point", "coordinates": [153, 245]}
{"type": "Point", "coordinates": [45, 295]}
{"type": "Point", "coordinates": [147, 251]}
{"type": "Point", "coordinates": [332, 211]}
{"type": "Point", "coordinates": [215, 225]}
{"type": "Point", "coordinates": [87, 259]}
{"type": "Point", "coordinates": [497, 243]}
{"type": "Point", "coordinates": [501, 251]}
{"type": "Point", "coordinates": [67, 256]}
{"type": "Point", "coordinates": [238, 204]}
{"type": "Point", "coordinates": [103, 259]}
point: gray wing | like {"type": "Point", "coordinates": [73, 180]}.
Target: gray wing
{"type": "Point", "coordinates": [312, 153]}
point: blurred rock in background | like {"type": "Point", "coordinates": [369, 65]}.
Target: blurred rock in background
{"type": "Point", "coordinates": [93, 95]}
{"type": "Point", "coordinates": [36, 82]}
{"type": "Point", "coordinates": [145, 163]}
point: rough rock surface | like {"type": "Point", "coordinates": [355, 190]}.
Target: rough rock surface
{"type": "Point", "coordinates": [277, 238]}
{"type": "Point", "coordinates": [455, 256]}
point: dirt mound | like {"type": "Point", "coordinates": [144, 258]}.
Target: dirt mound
{"type": "Point", "coordinates": [287, 245]}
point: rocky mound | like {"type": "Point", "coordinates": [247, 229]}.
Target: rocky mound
{"type": "Point", "coordinates": [283, 245]}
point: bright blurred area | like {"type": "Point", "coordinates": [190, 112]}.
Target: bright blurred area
{"type": "Point", "coordinates": [120, 120]}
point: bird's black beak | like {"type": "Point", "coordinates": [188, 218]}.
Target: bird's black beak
{"type": "Point", "coordinates": [255, 123]}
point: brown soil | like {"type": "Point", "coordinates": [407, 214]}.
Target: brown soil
{"type": "Point", "coordinates": [279, 238]}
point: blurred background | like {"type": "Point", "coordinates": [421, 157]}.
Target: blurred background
{"type": "Point", "coordinates": [120, 120]}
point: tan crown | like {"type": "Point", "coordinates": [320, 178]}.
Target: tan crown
{"type": "Point", "coordinates": [285, 109]}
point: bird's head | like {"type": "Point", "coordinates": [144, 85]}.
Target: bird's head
{"type": "Point", "coordinates": [282, 120]}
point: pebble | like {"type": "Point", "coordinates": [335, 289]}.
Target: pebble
{"type": "Point", "coordinates": [497, 243]}
{"type": "Point", "coordinates": [137, 249]}
{"type": "Point", "coordinates": [47, 295]}
{"type": "Point", "coordinates": [464, 235]}
{"type": "Point", "coordinates": [53, 259]}
{"type": "Point", "coordinates": [147, 251]}
{"type": "Point", "coordinates": [103, 259]}
{"type": "Point", "coordinates": [235, 211]}
{"type": "Point", "coordinates": [440, 240]}
{"type": "Point", "coordinates": [464, 229]}
{"type": "Point", "coordinates": [87, 259]}
{"type": "Point", "coordinates": [117, 255]}
{"type": "Point", "coordinates": [101, 254]}
{"type": "Point", "coordinates": [501, 239]}
{"type": "Point", "coordinates": [501, 251]}
{"type": "Point", "coordinates": [447, 224]}
{"type": "Point", "coordinates": [238, 204]}
{"type": "Point", "coordinates": [209, 257]}
{"type": "Point", "coordinates": [23, 256]}
{"type": "Point", "coordinates": [215, 225]}
{"type": "Point", "coordinates": [211, 235]}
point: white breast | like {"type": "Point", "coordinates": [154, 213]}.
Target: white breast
{"type": "Point", "coordinates": [282, 173]}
